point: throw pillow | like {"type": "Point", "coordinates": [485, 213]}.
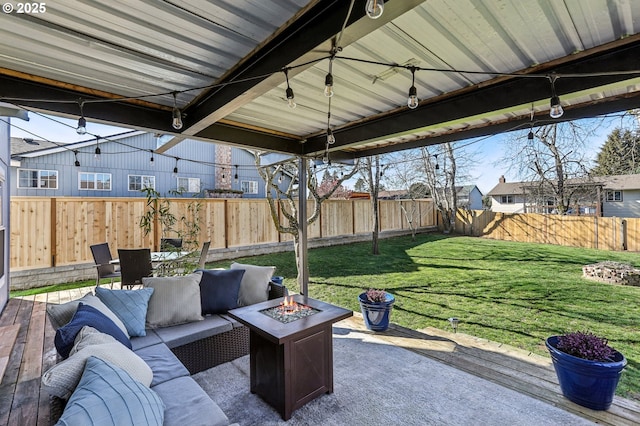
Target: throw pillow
{"type": "Point", "coordinates": [86, 315]}
{"type": "Point", "coordinates": [175, 300]}
{"type": "Point", "coordinates": [129, 305]}
{"type": "Point", "coordinates": [62, 378]}
{"type": "Point", "coordinates": [254, 287]}
{"type": "Point", "coordinates": [107, 395]}
{"type": "Point", "coordinates": [219, 290]}
{"type": "Point", "coordinates": [60, 315]}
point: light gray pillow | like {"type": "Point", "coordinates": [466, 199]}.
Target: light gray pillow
{"type": "Point", "coordinates": [175, 300]}
{"type": "Point", "coordinates": [62, 379]}
{"type": "Point", "coordinates": [254, 287]}
{"type": "Point", "coordinates": [60, 315]}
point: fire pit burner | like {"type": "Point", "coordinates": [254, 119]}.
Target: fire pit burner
{"type": "Point", "coordinates": [289, 310]}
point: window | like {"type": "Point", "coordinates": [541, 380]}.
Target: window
{"type": "Point", "coordinates": [28, 178]}
{"type": "Point", "coordinates": [95, 181]}
{"type": "Point", "coordinates": [139, 182]}
{"type": "Point", "coordinates": [613, 195]}
{"type": "Point", "coordinates": [249, 186]}
{"type": "Point", "coordinates": [189, 184]}
{"type": "Point", "coordinates": [506, 199]}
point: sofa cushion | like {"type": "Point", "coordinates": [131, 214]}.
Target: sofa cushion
{"type": "Point", "coordinates": [60, 315]}
{"type": "Point", "coordinates": [183, 334]}
{"type": "Point", "coordinates": [86, 315]}
{"type": "Point", "coordinates": [129, 305]}
{"type": "Point", "coordinates": [107, 395]}
{"type": "Point", "coordinates": [219, 290]}
{"type": "Point", "coordinates": [175, 300]}
{"type": "Point", "coordinates": [164, 364]}
{"type": "Point", "coordinates": [151, 338]}
{"type": "Point", "coordinates": [254, 287]}
{"type": "Point", "coordinates": [62, 378]}
{"type": "Point", "coordinates": [187, 404]}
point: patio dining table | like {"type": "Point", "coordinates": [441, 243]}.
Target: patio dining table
{"type": "Point", "coordinates": [160, 260]}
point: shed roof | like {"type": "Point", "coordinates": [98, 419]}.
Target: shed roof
{"type": "Point", "coordinates": [482, 65]}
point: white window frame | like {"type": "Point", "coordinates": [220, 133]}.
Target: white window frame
{"type": "Point", "coordinates": [193, 184]}
{"type": "Point", "coordinates": [40, 179]}
{"type": "Point", "coordinates": [145, 182]}
{"type": "Point", "coordinates": [507, 199]}
{"type": "Point", "coordinates": [252, 186]}
{"type": "Point", "coordinates": [98, 178]}
{"type": "Point", "coordinates": [613, 196]}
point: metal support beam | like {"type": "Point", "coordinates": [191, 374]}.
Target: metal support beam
{"type": "Point", "coordinates": [302, 227]}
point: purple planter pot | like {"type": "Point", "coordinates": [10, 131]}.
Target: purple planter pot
{"type": "Point", "coordinates": [591, 384]}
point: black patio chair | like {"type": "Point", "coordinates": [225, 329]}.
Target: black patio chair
{"type": "Point", "coordinates": [170, 244]}
{"type": "Point", "coordinates": [135, 264]}
{"type": "Point", "coordinates": [104, 267]}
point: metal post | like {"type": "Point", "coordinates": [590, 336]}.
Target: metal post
{"type": "Point", "coordinates": [302, 226]}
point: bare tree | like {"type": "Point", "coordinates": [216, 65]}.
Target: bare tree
{"type": "Point", "coordinates": [371, 170]}
{"type": "Point", "coordinates": [439, 167]}
{"type": "Point", "coordinates": [284, 200]}
{"type": "Point", "coordinates": [554, 161]}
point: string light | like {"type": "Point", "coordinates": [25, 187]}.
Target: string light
{"type": "Point", "coordinates": [436, 160]}
{"type": "Point", "coordinates": [235, 177]}
{"type": "Point", "coordinates": [374, 8]}
{"type": "Point", "coordinates": [151, 161]}
{"type": "Point", "coordinates": [177, 115]}
{"type": "Point", "coordinates": [175, 169]}
{"type": "Point", "coordinates": [281, 177]}
{"type": "Point", "coordinates": [223, 175]}
{"type": "Point", "coordinates": [412, 101]}
{"type": "Point", "coordinates": [289, 91]}
{"type": "Point", "coordinates": [77, 163]}
{"type": "Point", "coordinates": [97, 152]}
{"type": "Point", "coordinates": [82, 122]}
{"type": "Point", "coordinates": [556, 110]}
{"type": "Point", "coordinates": [530, 135]}
{"type": "Point", "coordinates": [328, 80]}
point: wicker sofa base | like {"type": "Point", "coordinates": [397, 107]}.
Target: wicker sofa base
{"type": "Point", "coordinates": [215, 350]}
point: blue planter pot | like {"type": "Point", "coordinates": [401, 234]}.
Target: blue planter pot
{"type": "Point", "coordinates": [591, 384]}
{"type": "Point", "coordinates": [376, 314]}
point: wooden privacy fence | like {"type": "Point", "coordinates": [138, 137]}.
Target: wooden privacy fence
{"type": "Point", "coordinates": [606, 233]}
{"type": "Point", "coordinates": [48, 232]}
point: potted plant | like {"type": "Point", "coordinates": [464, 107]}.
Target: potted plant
{"type": "Point", "coordinates": [588, 369]}
{"type": "Point", "coordinates": [376, 307]}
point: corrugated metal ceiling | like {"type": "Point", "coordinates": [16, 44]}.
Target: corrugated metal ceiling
{"type": "Point", "coordinates": [123, 48]}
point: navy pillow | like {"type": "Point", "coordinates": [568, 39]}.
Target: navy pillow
{"type": "Point", "coordinates": [86, 315]}
{"type": "Point", "coordinates": [219, 290]}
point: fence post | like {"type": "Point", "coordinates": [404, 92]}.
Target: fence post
{"type": "Point", "coordinates": [54, 227]}
{"type": "Point", "coordinates": [623, 234]}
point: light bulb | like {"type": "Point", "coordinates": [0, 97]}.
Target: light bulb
{"type": "Point", "coordinates": [97, 154]}
{"type": "Point", "coordinates": [175, 172]}
{"type": "Point", "coordinates": [530, 135]}
{"type": "Point", "coordinates": [331, 139]}
{"type": "Point", "coordinates": [556, 110]}
{"type": "Point", "coordinates": [280, 178]}
{"type": "Point", "coordinates": [412, 101]}
{"type": "Point", "coordinates": [177, 119]}
{"type": "Point", "coordinates": [374, 8]}
{"type": "Point", "coordinates": [82, 126]}
{"type": "Point", "coordinates": [328, 85]}
{"type": "Point", "coordinates": [151, 161]}
{"type": "Point", "coordinates": [325, 159]}
{"type": "Point", "coordinates": [290, 98]}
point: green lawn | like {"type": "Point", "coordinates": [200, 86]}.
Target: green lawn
{"type": "Point", "coordinates": [515, 293]}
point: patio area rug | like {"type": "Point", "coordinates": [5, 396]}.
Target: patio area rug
{"type": "Point", "coordinates": [380, 384]}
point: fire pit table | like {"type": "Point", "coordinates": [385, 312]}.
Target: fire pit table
{"type": "Point", "coordinates": [291, 349]}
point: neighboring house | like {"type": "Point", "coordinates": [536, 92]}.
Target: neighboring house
{"type": "Point", "coordinates": [610, 196]}
{"type": "Point", "coordinates": [469, 197]}
{"type": "Point", "coordinates": [128, 163]}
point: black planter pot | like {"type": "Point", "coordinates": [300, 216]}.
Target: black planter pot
{"type": "Point", "coordinates": [591, 384]}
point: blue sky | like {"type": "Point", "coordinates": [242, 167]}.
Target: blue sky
{"type": "Point", "coordinates": [485, 173]}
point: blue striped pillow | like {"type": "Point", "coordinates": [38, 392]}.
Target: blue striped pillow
{"type": "Point", "coordinates": [107, 395]}
{"type": "Point", "coordinates": [128, 305]}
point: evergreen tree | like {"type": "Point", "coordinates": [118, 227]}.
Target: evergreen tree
{"type": "Point", "coordinates": [620, 154]}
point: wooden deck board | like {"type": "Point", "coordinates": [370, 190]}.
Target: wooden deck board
{"type": "Point", "coordinates": [8, 336]}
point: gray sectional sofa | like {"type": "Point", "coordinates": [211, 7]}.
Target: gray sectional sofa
{"type": "Point", "coordinates": [173, 353]}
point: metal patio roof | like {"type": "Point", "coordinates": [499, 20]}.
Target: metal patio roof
{"type": "Point", "coordinates": [225, 61]}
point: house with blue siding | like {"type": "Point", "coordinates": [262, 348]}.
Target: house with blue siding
{"type": "Point", "coordinates": [122, 165]}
